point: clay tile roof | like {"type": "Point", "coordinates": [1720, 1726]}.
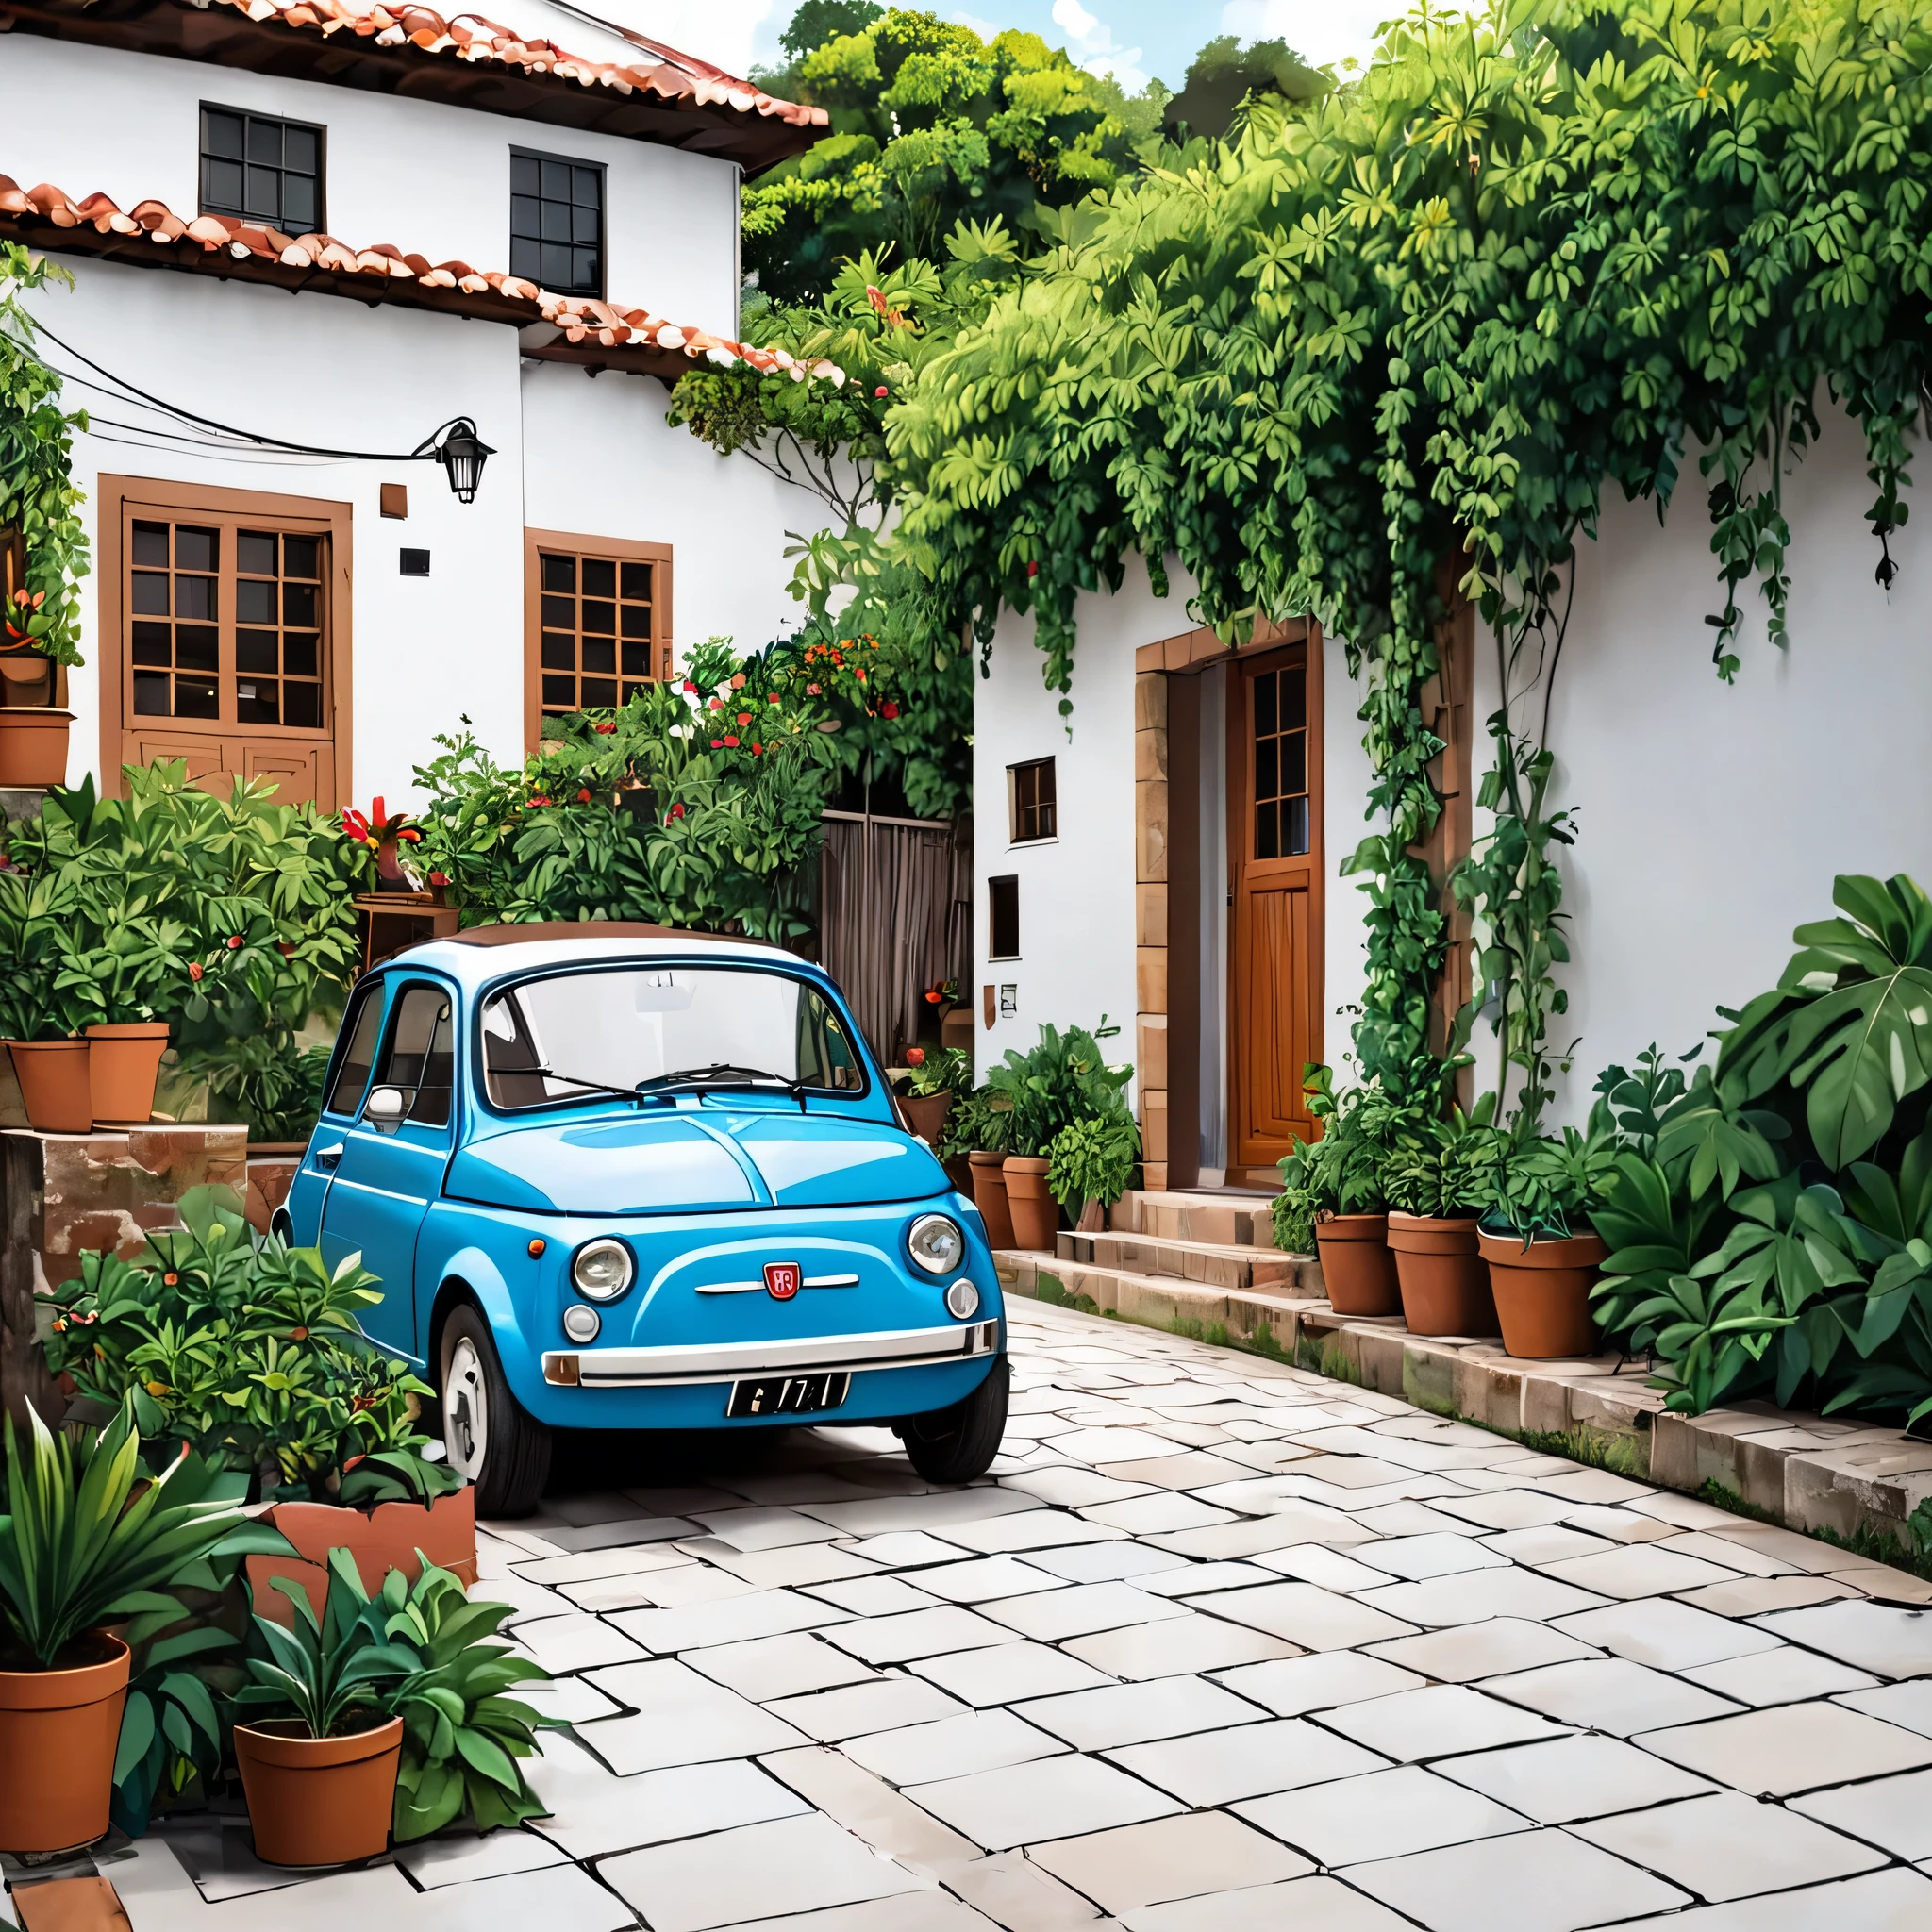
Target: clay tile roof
{"type": "Point", "coordinates": [381, 271]}
{"type": "Point", "coordinates": [528, 77]}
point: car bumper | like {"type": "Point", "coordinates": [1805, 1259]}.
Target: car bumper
{"type": "Point", "coordinates": [723, 1364]}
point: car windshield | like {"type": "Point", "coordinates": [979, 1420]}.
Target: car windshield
{"type": "Point", "coordinates": [568, 1036]}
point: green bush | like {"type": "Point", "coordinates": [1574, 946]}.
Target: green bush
{"type": "Point", "coordinates": [1343, 1171]}
{"type": "Point", "coordinates": [1092, 1159]}
{"type": "Point", "coordinates": [1770, 1220]}
{"type": "Point", "coordinates": [1062, 1079]}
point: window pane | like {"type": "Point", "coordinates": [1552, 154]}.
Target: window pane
{"type": "Point", "coordinates": [196, 549]}
{"type": "Point", "coordinates": [556, 266]}
{"type": "Point", "coordinates": [585, 185]}
{"type": "Point", "coordinates": [151, 694]}
{"type": "Point", "coordinates": [523, 175]}
{"type": "Point", "coordinates": [1294, 697]}
{"type": "Point", "coordinates": [196, 646]}
{"type": "Point", "coordinates": [555, 180]}
{"type": "Point", "coordinates": [559, 653]}
{"type": "Point", "coordinates": [1265, 706]}
{"type": "Point", "coordinates": [154, 643]}
{"type": "Point", "coordinates": [554, 222]}
{"type": "Point", "coordinates": [526, 261]}
{"type": "Point", "coordinates": [600, 614]}
{"type": "Point", "coordinates": [1268, 831]}
{"type": "Point", "coordinates": [298, 606]}
{"type": "Point", "coordinates": [299, 149]}
{"type": "Point", "coordinates": [300, 656]}
{"type": "Point", "coordinates": [561, 692]}
{"type": "Point", "coordinates": [358, 1056]}
{"type": "Point", "coordinates": [559, 573]}
{"type": "Point", "coordinates": [600, 577]}
{"type": "Point", "coordinates": [1267, 768]}
{"type": "Point", "coordinates": [254, 651]}
{"type": "Point", "coordinates": [196, 697]}
{"type": "Point", "coordinates": [637, 660]}
{"type": "Point", "coordinates": [255, 554]}
{"type": "Point", "coordinates": [600, 653]}
{"type": "Point", "coordinates": [264, 140]}
{"type": "Point", "coordinates": [635, 620]}
{"type": "Point", "coordinates": [255, 601]}
{"type": "Point", "coordinates": [636, 581]}
{"type": "Point", "coordinates": [151, 544]}
{"type": "Point", "coordinates": [150, 594]}
{"type": "Point", "coordinates": [586, 278]}
{"type": "Point", "coordinates": [221, 186]}
{"type": "Point", "coordinates": [221, 134]}
{"type": "Point", "coordinates": [1294, 762]}
{"type": "Point", "coordinates": [263, 194]}
{"type": "Point", "coordinates": [301, 556]}
{"type": "Point", "coordinates": [559, 613]}
{"type": "Point", "coordinates": [583, 227]}
{"type": "Point", "coordinates": [195, 597]}
{"type": "Point", "coordinates": [255, 704]}
{"type": "Point", "coordinates": [298, 204]}
{"type": "Point", "coordinates": [599, 691]}
{"type": "Point", "coordinates": [302, 706]}
{"type": "Point", "coordinates": [1296, 814]}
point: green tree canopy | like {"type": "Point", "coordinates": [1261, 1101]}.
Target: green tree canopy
{"type": "Point", "coordinates": [1225, 74]}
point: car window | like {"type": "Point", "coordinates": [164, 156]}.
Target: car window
{"type": "Point", "coordinates": [419, 1057]}
{"type": "Point", "coordinates": [551, 1039]}
{"type": "Point", "coordinates": [359, 1030]}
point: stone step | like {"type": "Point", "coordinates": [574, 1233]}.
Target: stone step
{"type": "Point", "coordinates": [1222, 1220]}
{"type": "Point", "coordinates": [1214, 1264]}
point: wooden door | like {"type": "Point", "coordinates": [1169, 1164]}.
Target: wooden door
{"type": "Point", "coordinates": [227, 612]}
{"type": "Point", "coordinates": [1276, 872]}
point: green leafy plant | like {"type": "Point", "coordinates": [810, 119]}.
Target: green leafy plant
{"type": "Point", "coordinates": [978, 1122]}
{"type": "Point", "coordinates": [1450, 1169]}
{"type": "Point", "coordinates": [941, 1070]}
{"type": "Point", "coordinates": [89, 1537]}
{"type": "Point", "coordinates": [1547, 1188]}
{"type": "Point", "coordinates": [1062, 1079]}
{"type": "Point", "coordinates": [1343, 1171]}
{"type": "Point", "coordinates": [250, 1352]}
{"type": "Point", "coordinates": [325, 1672]}
{"type": "Point", "coordinates": [1094, 1158]}
{"type": "Point", "coordinates": [462, 1736]}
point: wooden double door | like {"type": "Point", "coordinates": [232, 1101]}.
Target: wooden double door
{"type": "Point", "coordinates": [1274, 849]}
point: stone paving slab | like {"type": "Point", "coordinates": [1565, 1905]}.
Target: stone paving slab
{"type": "Point", "coordinates": [1223, 1646]}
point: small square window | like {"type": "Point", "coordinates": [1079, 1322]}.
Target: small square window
{"type": "Point", "coordinates": [255, 167]}
{"type": "Point", "coordinates": [1032, 800]}
{"type": "Point", "coordinates": [557, 223]}
{"type": "Point", "coordinates": [1002, 918]}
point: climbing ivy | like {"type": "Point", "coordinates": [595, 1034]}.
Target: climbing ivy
{"type": "Point", "coordinates": [1557, 248]}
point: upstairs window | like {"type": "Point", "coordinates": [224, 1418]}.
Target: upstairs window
{"type": "Point", "coordinates": [557, 223]}
{"type": "Point", "coordinates": [1002, 918]}
{"type": "Point", "coordinates": [261, 170]}
{"type": "Point", "coordinates": [597, 623]}
{"type": "Point", "coordinates": [1033, 801]}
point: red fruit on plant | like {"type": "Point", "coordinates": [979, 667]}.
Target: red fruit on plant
{"type": "Point", "coordinates": [757, 750]}
{"type": "Point", "coordinates": [915, 1055]}
{"type": "Point", "coordinates": [880, 390]}
{"type": "Point", "coordinates": [731, 740]}
{"type": "Point", "coordinates": [745, 717]}
{"type": "Point", "coordinates": [889, 709]}
{"type": "Point", "coordinates": [235, 942]}
{"type": "Point", "coordinates": [717, 744]}
{"type": "Point", "coordinates": [677, 811]}
{"type": "Point", "coordinates": [717, 704]}
{"type": "Point", "coordinates": [1032, 570]}
{"type": "Point", "coordinates": [772, 699]}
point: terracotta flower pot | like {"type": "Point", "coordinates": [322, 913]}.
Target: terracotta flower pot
{"type": "Point", "coordinates": [1357, 1269]}
{"type": "Point", "coordinates": [1543, 1293]}
{"type": "Point", "coordinates": [33, 745]}
{"type": "Point", "coordinates": [58, 1730]}
{"type": "Point", "coordinates": [383, 1539]}
{"type": "Point", "coordinates": [124, 1063]}
{"type": "Point", "coordinates": [926, 1113]}
{"type": "Point", "coordinates": [55, 1086]}
{"type": "Point", "coordinates": [318, 1801]}
{"type": "Point", "coordinates": [990, 1197]}
{"type": "Point", "coordinates": [1445, 1281]}
{"type": "Point", "coordinates": [1036, 1213]}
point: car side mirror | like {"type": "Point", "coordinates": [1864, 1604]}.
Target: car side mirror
{"type": "Point", "coordinates": [384, 1109]}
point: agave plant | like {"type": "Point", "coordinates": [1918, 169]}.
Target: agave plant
{"type": "Point", "coordinates": [91, 1538]}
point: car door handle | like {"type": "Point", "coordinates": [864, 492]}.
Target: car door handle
{"type": "Point", "coordinates": [327, 1157]}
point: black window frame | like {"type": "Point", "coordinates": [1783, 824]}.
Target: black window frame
{"type": "Point", "coordinates": [520, 262]}
{"type": "Point", "coordinates": [1002, 916]}
{"type": "Point", "coordinates": [239, 211]}
{"type": "Point", "coordinates": [1044, 808]}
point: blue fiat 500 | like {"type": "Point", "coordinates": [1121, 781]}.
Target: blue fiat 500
{"type": "Point", "coordinates": [617, 1177]}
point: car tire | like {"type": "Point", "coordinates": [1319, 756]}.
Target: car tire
{"type": "Point", "coordinates": [488, 1435]}
{"type": "Point", "coordinates": [957, 1445]}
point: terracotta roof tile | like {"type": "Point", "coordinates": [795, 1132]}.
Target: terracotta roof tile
{"type": "Point", "coordinates": [474, 38]}
{"type": "Point", "coordinates": [190, 244]}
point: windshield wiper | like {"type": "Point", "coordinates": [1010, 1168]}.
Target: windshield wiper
{"type": "Point", "coordinates": [723, 1073]}
{"type": "Point", "coordinates": [571, 1079]}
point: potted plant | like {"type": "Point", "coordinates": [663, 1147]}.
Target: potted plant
{"type": "Point", "coordinates": [89, 1540]}
{"type": "Point", "coordinates": [1064, 1079]}
{"type": "Point", "coordinates": [1439, 1184]}
{"type": "Point", "coordinates": [940, 1076]}
{"type": "Point", "coordinates": [251, 1352]}
{"type": "Point", "coordinates": [1543, 1255]}
{"type": "Point", "coordinates": [124, 955]}
{"type": "Point", "coordinates": [979, 1130]}
{"type": "Point", "coordinates": [319, 1753]}
{"type": "Point", "coordinates": [1090, 1163]}
{"type": "Point", "coordinates": [1332, 1195]}
{"type": "Point", "coordinates": [384, 833]}
{"type": "Point", "coordinates": [45, 1001]}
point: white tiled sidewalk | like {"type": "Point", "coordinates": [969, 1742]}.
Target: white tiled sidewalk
{"type": "Point", "coordinates": [1221, 1647]}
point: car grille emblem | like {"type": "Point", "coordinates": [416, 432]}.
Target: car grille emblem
{"type": "Point", "coordinates": [783, 1279]}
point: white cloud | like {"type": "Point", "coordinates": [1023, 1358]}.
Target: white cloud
{"type": "Point", "coordinates": [1319, 30]}
{"type": "Point", "coordinates": [1075, 18]}
{"type": "Point", "coordinates": [1091, 42]}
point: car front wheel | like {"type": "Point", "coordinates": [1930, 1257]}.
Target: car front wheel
{"type": "Point", "coordinates": [957, 1444]}
{"type": "Point", "coordinates": [490, 1436]}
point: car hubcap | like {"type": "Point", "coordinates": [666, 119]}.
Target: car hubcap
{"type": "Point", "coordinates": [465, 1411]}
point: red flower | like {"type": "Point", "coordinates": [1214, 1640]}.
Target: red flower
{"type": "Point", "coordinates": [195, 969]}
{"type": "Point", "coordinates": [772, 699]}
{"type": "Point", "coordinates": [603, 730]}
{"type": "Point", "coordinates": [1032, 570]}
{"type": "Point", "coordinates": [745, 717]}
{"type": "Point", "coordinates": [717, 744]}
{"type": "Point", "coordinates": [757, 750]}
{"type": "Point", "coordinates": [915, 1055]}
{"type": "Point", "coordinates": [932, 999]}
{"type": "Point", "coordinates": [235, 942]}
{"type": "Point", "coordinates": [731, 740]}
{"type": "Point", "coordinates": [859, 673]}
{"type": "Point", "coordinates": [412, 834]}
{"type": "Point", "coordinates": [880, 390]}
{"type": "Point", "coordinates": [677, 811]}
{"type": "Point", "coordinates": [889, 709]}
{"type": "Point", "coordinates": [539, 799]}
{"type": "Point", "coordinates": [717, 704]}
{"type": "Point", "coordinates": [812, 689]}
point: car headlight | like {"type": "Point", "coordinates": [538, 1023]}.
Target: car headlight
{"type": "Point", "coordinates": [936, 1243]}
{"type": "Point", "coordinates": [602, 1269]}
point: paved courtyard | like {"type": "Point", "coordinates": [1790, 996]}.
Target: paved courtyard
{"type": "Point", "coordinates": [1221, 1647]}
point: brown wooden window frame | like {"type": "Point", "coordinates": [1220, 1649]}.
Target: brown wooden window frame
{"type": "Point", "coordinates": [127, 500]}
{"type": "Point", "coordinates": [1033, 801]}
{"type": "Point", "coordinates": [1003, 911]}
{"type": "Point", "coordinates": [617, 550]}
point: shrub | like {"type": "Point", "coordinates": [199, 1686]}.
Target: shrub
{"type": "Point", "coordinates": [1064, 1079]}
{"type": "Point", "coordinates": [1092, 1159]}
{"type": "Point", "coordinates": [1343, 1171]}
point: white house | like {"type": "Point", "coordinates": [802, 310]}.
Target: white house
{"type": "Point", "coordinates": [367, 225]}
{"type": "Point", "coordinates": [1176, 857]}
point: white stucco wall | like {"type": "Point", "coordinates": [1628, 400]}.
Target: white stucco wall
{"type": "Point", "coordinates": [1077, 892]}
{"type": "Point", "coordinates": [431, 179]}
{"type": "Point", "coordinates": [1712, 819]}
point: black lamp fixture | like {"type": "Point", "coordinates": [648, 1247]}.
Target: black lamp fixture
{"type": "Point", "coordinates": [463, 454]}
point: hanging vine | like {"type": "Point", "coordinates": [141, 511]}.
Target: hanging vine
{"type": "Point", "coordinates": [1523, 259]}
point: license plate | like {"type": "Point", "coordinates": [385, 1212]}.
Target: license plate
{"type": "Point", "coordinates": [789, 1394]}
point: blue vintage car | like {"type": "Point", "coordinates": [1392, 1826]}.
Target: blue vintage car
{"type": "Point", "coordinates": [613, 1176]}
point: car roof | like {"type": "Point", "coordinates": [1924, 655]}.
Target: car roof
{"type": "Point", "coordinates": [488, 952]}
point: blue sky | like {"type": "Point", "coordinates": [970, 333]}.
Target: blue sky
{"type": "Point", "coordinates": [1131, 39]}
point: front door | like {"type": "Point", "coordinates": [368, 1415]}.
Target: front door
{"type": "Point", "coordinates": [390, 1169]}
{"type": "Point", "coordinates": [1274, 864]}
